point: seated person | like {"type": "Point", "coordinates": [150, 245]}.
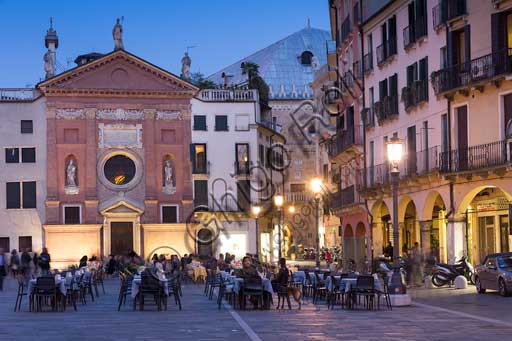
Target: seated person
{"type": "Point", "coordinates": [282, 276]}
{"type": "Point", "coordinates": [247, 270]}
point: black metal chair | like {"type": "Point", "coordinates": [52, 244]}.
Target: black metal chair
{"type": "Point", "coordinates": [149, 286]}
{"type": "Point", "coordinates": [365, 288]}
{"type": "Point", "coordinates": [319, 288]}
{"type": "Point", "coordinates": [252, 287]}
{"type": "Point", "coordinates": [22, 291]}
{"type": "Point", "coordinates": [226, 291]}
{"type": "Point", "coordinates": [384, 293]}
{"type": "Point", "coordinates": [44, 290]}
{"type": "Point", "coordinates": [173, 287]}
{"type": "Point", "coordinates": [71, 292]}
{"type": "Point", "coordinates": [337, 294]}
{"type": "Point", "coordinates": [125, 289]}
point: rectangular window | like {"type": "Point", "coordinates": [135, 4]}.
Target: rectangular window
{"type": "Point", "coordinates": [444, 57]}
{"type": "Point", "coordinates": [261, 154]}
{"type": "Point", "coordinates": [28, 155]}
{"type": "Point", "coordinates": [12, 155]}
{"type": "Point", "coordinates": [27, 127]}
{"type": "Point", "coordinates": [198, 155]}
{"type": "Point", "coordinates": [242, 122]}
{"type": "Point", "coordinates": [25, 243]}
{"type": "Point", "coordinates": [221, 123]}
{"type": "Point", "coordinates": [200, 193]}
{"type": "Point", "coordinates": [13, 195]}
{"type": "Point", "coordinates": [300, 187]}
{"type": "Point", "coordinates": [242, 158]}
{"type": "Point", "coordinates": [29, 194]}
{"type": "Point", "coordinates": [200, 122]}
{"type": "Point", "coordinates": [169, 214]}
{"type": "Point", "coordinates": [168, 136]}
{"type": "Point", "coordinates": [5, 244]}
{"type": "Point", "coordinates": [72, 215]}
{"type": "Point", "coordinates": [70, 135]}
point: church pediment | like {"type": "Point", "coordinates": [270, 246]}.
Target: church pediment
{"type": "Point", "coordinates": [118, 73]}
{"type": "Point", "coordinates": [116, 206]}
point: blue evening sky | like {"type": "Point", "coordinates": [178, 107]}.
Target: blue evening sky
{"type": "Point", "coordinates": [158, 31]}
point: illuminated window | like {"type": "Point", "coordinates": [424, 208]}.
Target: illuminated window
{"type": "Point", "coordinates": [119, 169]}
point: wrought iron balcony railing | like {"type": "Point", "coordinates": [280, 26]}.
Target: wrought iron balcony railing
{"type": "Point", "coordinates": [414, 94]}
{"type": "Point", "coordinates": [477, 70]}
{"type": "Point", "coordinates": [474, 157]}
{"type": "Point", "coordinates": [344, 140]}
{"type": "Point", "coordinates": [387, 108]}
{"type": "Point", "coordinates": [346, 197]}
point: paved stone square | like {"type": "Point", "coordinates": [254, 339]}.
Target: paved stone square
{"type": "Point", "coordinates": [439, 314]}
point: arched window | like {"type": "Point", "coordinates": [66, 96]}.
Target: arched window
{"type": "Point", "coordinates": [306, 57]}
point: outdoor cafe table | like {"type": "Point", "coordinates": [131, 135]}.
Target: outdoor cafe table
{"type": "Point", "coordinates": [137, 281]}
{"type": "Point", "coordinates": [299, 276]}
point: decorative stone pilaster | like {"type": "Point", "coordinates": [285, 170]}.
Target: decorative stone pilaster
{"type": "Point", "coordinates": [425, 228]}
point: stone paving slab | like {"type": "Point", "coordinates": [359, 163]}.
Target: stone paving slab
{"type": "Point", "coordinates": [201, 320]}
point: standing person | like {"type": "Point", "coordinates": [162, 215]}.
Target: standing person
{"type": "Point", "coordinates": [35, 260]}
{"type": "Point", "coordinates": [83, 262]}
{"type": "Point", "coordinates": [3, 268]}
{"type": "Point", "coordinates": [44, 261]}
{"type": "Point", "coordinates": [26, 259]}
{"type": "Point", "coordinates": [417, 260]}
{"type": "Point", "coordinates": [328, 257]}
{"type": "Point", "coordinates": [15, 263]}
{"type": "Point", "coordinates": [184, 262]}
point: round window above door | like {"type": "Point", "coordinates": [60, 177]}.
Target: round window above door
{"type": "Point", "coordinates": [120, 170]}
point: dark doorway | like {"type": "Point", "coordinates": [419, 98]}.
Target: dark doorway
{"type": "Point", "coordinates": [121, 237]}
{"type": "Point", "coordinates": [204, 243]}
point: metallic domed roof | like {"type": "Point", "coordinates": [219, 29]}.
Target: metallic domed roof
{"type": "Point", "coordinates": [280, 64]}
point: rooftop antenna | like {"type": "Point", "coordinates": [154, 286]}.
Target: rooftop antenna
{"type": "Point", "coordinates": [191, 47]}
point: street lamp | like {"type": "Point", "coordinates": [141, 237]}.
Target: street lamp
{"type": "Point", "coordinates": [291, 209]}
{"type": "Point", "coordinates": [316, 188]}
{"type": "Point", "coordinates": [256, 210]}
{"type": "Point", "coordinates": [279, 202]}
{"type": "Point", "coordinates": [394, 149]}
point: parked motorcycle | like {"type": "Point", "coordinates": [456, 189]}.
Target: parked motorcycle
{"type": "Point", "coordinates": [446, 273]}
{"type": "Point", "coordinates": [384, 268]}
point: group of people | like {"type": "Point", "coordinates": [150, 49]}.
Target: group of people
{"type": "Point", "coordinates": [27, 264]}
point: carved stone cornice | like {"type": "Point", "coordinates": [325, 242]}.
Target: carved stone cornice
{"type": "Point", "coordinates": [119, 114]}
{"type": "Point", "coordinates": [168, 115]}
{"type": "Point", "coordinates": [70, 114]}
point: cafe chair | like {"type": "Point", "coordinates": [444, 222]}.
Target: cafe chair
{"type": "Point", "coordinates": [173, 290]}
{"type": "Point", "coordinates": [365, 288]}
{"type": "Point", "coordinates": [252, 287]}
{"type": "Point", "coordinates": [22, 291]}
{"type": "Point", "coordinates": [149, 286]}
{"type": "Point", "coordinates": [45, 290]}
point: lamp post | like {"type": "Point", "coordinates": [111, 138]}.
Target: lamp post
{"type": "Point", "coordinates": [394, 151]}
{"type": "Point", "coordinates": [256, 210]}
{"type": "Point", "coordinates": [316, 188]}
{"type": "Point", "coordinates": [279, 202]}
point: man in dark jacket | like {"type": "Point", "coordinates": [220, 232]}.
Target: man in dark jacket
{"type": "Point", "coordinates": [3, 268]}
{"type": "Point", "coordinates": [44, 261]}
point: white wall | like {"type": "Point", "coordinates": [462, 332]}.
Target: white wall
{"type": "Point", "coordinates": [23, 222]}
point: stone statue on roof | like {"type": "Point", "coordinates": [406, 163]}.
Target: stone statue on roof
{"type": "Point", "coordinates": [185, 66]}
{"type": "Point", "coordinates": [117, 34]}
{"type": "Point", "coordinates": [49, 64]}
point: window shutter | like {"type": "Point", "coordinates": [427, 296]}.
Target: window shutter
{"type": "Point", "coordinates": [13, 195]}
{"type": "Point", "coordinates": [29, 194]}
{"type": "Point", "coordinates": [423, 74]}
{"type": "Point", "coordinates": [449, 48]}
{"type": "Point", "coordinates": [393, 85]}
{"type": "Point", "coordinates": [467, 44]}
{"type": "Point", "coordinates": [193, 155]}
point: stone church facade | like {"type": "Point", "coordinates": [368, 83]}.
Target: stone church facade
{"type": "Point", "coordinates": [119, 178]}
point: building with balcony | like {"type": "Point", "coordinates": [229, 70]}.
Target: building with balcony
{"type": "Point", "coordinates": [288, 67]}
{"type": "Point", "coordinates": [402, 102]}
{"type": "Point", "coordinates": [235, 155]}
{"type": "Point", "coordinates": [474, 78]}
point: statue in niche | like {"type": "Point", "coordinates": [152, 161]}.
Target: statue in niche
{"type": "Point", "coordinates": [71, 179]}
{"type": "Point", "coordinates": [169, 187]}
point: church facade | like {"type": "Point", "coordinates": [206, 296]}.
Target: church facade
{"type": "Point", "coordinates": [117, 158]}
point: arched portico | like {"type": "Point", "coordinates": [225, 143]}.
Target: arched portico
{"type": "Point", "coordinates": [348, 244]}
{"type": "Point", "coordinates": [382, 227]}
